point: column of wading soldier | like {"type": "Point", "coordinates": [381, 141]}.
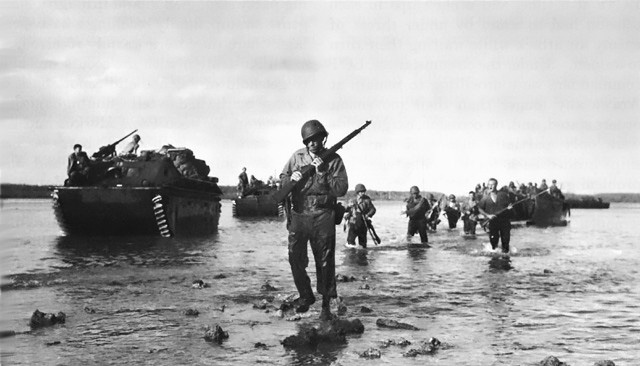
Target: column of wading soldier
{"type": "Point", "coordinates": [313, 217]}
{"type": "Point", "coordinates": [358, 216]}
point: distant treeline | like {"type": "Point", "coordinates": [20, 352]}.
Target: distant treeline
{"type": "Point", "coordinates": [585, 201]}
{"type": "Point", "coordinates": [24, 191]}
{"type": "Point", "coordinates": [619, 197]}
{"type": "Point", "coordinates": [8, 190]}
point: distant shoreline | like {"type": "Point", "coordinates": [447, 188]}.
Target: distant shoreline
{"type": "Point", "coordinates": [8, 190]}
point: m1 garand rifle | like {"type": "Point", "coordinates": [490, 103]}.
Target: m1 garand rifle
{"type": "Point", "coordinates": [433, 214]}
{"type": "Point", "coordinates": [485, 223]}
{"type": "Point", "coordinates": [308, 171]}
{"type": "Point", "coordinates": [369, 225]}
{"type": "Point", "coordinates": [372, 231]}
{"type": "Point", "coordinates": [109, 150]}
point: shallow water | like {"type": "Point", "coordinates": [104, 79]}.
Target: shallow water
{"type": "Point", "coordinates": [571, 292]}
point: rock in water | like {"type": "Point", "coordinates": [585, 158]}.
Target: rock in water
{"type": "Point", "coordinates": [426, 348]}
{"type": "Point", "coordinates": [344, 278]}
{"type": "Point", "coordinates": [267, 287]}
{"type": "Point", "coordinates": [40, 319]}
{"type": "Point", "coordinates": [604, 363]}
{"type": "Point", "coordinates": [390, 323]}
{"type": "Point", "coordinates": [371, 353]}
{"type": "Point", "coordinates": [215, 335]}
{"type": "Point", "coordinates": [306, 337]}
{"type": "Point", "coordinates": [390, 342]}
{"type": "Point", "coordinates": [552, 361]}
{"type": "Point", "coordinates": [334, 332]}
{"type": "Point", "coordinates": [199, 284]}
{"type": "Point", "coordinates": [191, 312]}
{"type": "Point", "coordinates": [346, 326]}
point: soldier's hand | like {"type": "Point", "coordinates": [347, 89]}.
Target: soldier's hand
{"type": "Point", "coordinates": [296, 176]}
{"type": "Point", "coordinates": [509, 207]}
{"type": "Point", "coordinates": [317, 162]}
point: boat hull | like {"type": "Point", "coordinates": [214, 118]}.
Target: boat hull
{"type": "Point", "coordinates": [549, 211]}
{"type": "Point", "coordinates": [256, 206]}
{"type": "Point", "coordinates": [135, 211]}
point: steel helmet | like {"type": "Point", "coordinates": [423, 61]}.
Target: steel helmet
{"type": "Point", "coordinates": [452, 196]}
{"type": "Point", "coordinates": [414, 189]}
{"type": "Point", "coordinates": [360, 188]}
{"type": "Point", "coordinates": [312, 128]}
{"type": "Point", "coordinates": [136, 138]}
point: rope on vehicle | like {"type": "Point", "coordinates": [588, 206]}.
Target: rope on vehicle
{"type": "Point", "coordinates": [161, 219]}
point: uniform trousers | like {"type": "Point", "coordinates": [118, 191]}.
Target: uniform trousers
{"type": "Point", "coordinates": [316, 227]}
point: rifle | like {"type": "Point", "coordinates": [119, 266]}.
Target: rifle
{"type": "Point", "coordinates": [486, 222]}
{"type": "Point", "coordinates": [108, 150]}
{"type": "Point", "coordinates": [433, 208]}
{"type": "Point", "coordinates": [372, 231]}
{"type": "Point", "coordinates": [369, 225]}
{"type": "Point", "coordinates": [309, 170]}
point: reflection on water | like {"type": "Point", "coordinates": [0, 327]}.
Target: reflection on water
{"type": "Point", "coordinates": [134, 250]}
{"type": "Point", "coordinates": [355, 257]}
{"type": "Point", "coordinates": [323, 354]}
{"type": "Point", "coordinates": [500, 263]}
{"type": "Point", "coordinates": [125, 297]}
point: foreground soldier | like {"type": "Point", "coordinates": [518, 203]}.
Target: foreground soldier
{"type": "Point", "coordinates": [495, 205]}
{"type": "Point", "coordinates": [78, 167]}
{"type": "Point", "coordinates": [417, 207]}
{"type": "Point", "coordinates": [361, 209]}
{"type": "Point", "coordinates": [313, 217]}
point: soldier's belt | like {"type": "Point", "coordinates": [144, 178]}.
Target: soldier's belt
{"type": "Point", "coordinates": [316, 202]}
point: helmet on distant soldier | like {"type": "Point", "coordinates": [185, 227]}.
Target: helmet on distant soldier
{"type": "Point", "coordinates": [136, 138]}
{"type": "Point", "coordinates": [311, 129]}
{"type": "Point", "coordinates": [360, 188]}
{"type": "Point", "coordinates": [414, 189]}
{"type": "Point", "coordinates": [452, 196]}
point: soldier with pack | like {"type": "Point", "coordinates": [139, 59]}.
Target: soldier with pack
{"type": "Point", "coordinates": [359, 211]}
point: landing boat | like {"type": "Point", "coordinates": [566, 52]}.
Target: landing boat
{"type": "Point", "coordinates": [257, 202]}
{"type": "Point", "coordinates": [549, 211]}
{"type": "Point", "coordinates": [165, 192]}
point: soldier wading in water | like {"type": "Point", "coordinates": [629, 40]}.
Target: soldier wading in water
{"type": "Point", "coordinates": [313, 217]}
{"type": "Point", "coordinates": [417, 207]}
{"type": "Point", "coordinates": [359, 210]}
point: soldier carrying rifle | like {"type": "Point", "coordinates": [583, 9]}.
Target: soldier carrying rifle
{"type": "Point", "coordinates": [313, 179]}
{"type": "Point", "coordinates": [359, 211]}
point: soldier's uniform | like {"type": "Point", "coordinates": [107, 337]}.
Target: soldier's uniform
{"type": "Point", "coordinates": [360, 209]}
{"type": "Point", "coordinates": [313, 221]}
{"type": "Point", "coordinates": [417, 207]}
{"type": "Point", "coordinates": [500, 226]}
{"type": "Point", "coordinates": [78, 168]}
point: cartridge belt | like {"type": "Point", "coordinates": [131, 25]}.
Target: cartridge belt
{"type": "Point", "coordinates": [315, 202]}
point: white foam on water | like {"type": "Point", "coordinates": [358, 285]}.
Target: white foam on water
{"type": "Point", "coordinates": [486, 249]}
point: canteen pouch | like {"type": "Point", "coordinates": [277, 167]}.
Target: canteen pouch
{"type": "Point", "coordinates": [338, 210]}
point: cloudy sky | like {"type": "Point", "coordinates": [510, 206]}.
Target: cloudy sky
{"type": "Point", "coordinates": [457, 91]}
